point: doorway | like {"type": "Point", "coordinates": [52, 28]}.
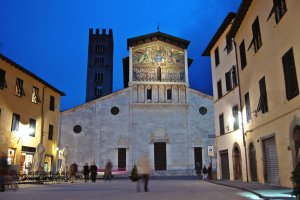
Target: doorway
{"type": "Point", "coordinates": [224, 164]}
{"type": "Point", "coordinates": [121, 158]}
{"type": "Point", "coordinates": [252, 160]}
{"type": "Point", "coordinates": [271, 161]}
{"type": "Point", "coordinates": [160, 156]}
{"type": "Point", "coordinates": [198, 155]}
{"type": "Point", "coordinates": [237, 168]}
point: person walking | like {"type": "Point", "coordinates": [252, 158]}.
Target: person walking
{"type": "Point", "coordinates": [93, 170]}
{"type": "Point", "coordinates": [86, 172]}
{"type": "Point", "coordinates": [204, 171]}
{"type": "Point", "coordinates": [3, 171]}
{"type": "Point", "coordinates": [144, 170]}
{"type": "Point", "coordinates": [73, 172]}
{"type": "Point", "coordinates": [107, 172]}
{"type": "Point", "coordinates": [209, 171]}
{"type": "Point", "coordinates": [198, 169]}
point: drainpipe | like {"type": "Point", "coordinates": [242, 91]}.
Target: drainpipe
{"type": "Point", "coordinates": [240, 102]}
{"type": "Point", "coordinates": [42, 123]}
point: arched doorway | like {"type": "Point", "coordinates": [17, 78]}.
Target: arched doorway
{"type": "Point", "coordinates": [237, 168]}
{"type": "Point", "coordinates": [252, 163]}
{"type": "Point", "coordinates": [296, 134]}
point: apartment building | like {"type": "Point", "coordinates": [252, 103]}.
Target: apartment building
{"type": "Point", "coordinates": [265, 35]}
{"type": "Point", "coordinates": [228, 126]}
{"type": "Point", "coordinates": [29, 110]}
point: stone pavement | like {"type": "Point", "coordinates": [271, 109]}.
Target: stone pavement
{"type": "Point", "coordinates": [181, 188]}
{"type": "Point", "coordinates": [263, 191]}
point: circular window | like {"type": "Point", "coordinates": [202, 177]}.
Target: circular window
{"type": "Point", "coordinates": [77, 129]}
{"type": "Point", "coordinates": [114, 110]}
{"type": "Point", "coordinates": [202, 110]}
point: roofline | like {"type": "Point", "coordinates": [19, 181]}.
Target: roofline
{"type": "Point", "coordinates": [242, 11]}
{"type": "Point", "coordinates": [158, 36]}
{"type": "Point", "coordinates": [30, 74]}
{"type": "Point", "coordinates": [228, 19]}
{"type": "Point", "coordinates": [93, 101]}
{"type": "Point", "coordinates": [201, 94]}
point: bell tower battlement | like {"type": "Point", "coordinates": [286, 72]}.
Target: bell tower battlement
{"type": "Point", "coordinates": [100, 64]}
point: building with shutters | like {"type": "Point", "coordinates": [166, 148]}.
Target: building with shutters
{"type": "Point", "coordinates": [229, 136]}
{"type": "Point", "coordinates": [263, 35]}
{"type": "Point", "coordinates": [99, 80]}
{"type": "Point", "coordinates": [29, 112]}
{"type": "Point", "coordinates": [157, 113]}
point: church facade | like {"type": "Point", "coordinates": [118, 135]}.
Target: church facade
{"type": "Point", "coordinates": [157, 113]}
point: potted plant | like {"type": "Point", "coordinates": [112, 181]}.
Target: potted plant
{"type": "Point", "coordinates": [134, 175]}
{"type": "Point", "coordinates": [296, 181]}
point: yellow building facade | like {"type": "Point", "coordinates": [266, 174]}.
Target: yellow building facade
{"type": "Point", "coordinates": [265, 36]}
{"type": "Point", "coordinates": [228, 126]}
{"type": "Point", "coordinates": [29, 114]}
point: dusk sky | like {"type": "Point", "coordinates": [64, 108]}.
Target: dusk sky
{"type": "Point", "coordinates": [50, 38]}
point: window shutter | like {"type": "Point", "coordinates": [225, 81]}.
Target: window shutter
{"type": "Point", "coordinates": [235, 113]}
{"type": "Point", "coordinates": [263, 95]}
{"type": "Point", "coordinates": [243, 55]}
{"type": "Point", "coordinates": [290, 75]}
{"type": "Point", "coordinates": [217, 59]}
{"type": "Point", "coordinates": [234, 80]}
{"type": "Point", "coordinates": [228, 80]}
{"type": "Point", "coordinates": [2, 79]}
{"type": "Point", "coordinates": [248, 108]}
{"type": "Point", "coordinates": [219, 86]}
{"type": "Point", "coordinates": [221, 123]}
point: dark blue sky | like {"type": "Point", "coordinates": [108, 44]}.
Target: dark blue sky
{"type": "Point", "coordinates": [50, 38]}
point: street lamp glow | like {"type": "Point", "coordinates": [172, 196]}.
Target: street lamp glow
{"type": "Point", "coordinates": [231, 120]}
{"type": "Point", "coordinates": [30, 131]}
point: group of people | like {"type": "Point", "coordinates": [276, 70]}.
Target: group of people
{"type": "Point", "coordinates": [205, 172]}
{"type": "Point", "coordinates": [88, 171]}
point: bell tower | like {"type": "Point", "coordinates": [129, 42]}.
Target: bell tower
{"type": "Point", "coordinates": [100, 64]}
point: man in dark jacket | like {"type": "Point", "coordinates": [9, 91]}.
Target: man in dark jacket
{"type": "Point", "coordinates": [93, 170]}
{"type": "Point", "coordinates": [209, 171]}
{"type": "Point", "coordinates": [86, 172]}
{"type": "Point", "coordinates": [204, 170]}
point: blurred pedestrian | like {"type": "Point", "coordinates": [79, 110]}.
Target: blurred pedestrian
{"type": "Point", "coordinates": [144, 170]}
{"type": "Point", "coordinates": [204, 171]}
{"type": "Point", "coordinates": [209, 171]}
{"type": "Point", "coordinates": [73, 172]}
{"type": "Point", "coordinates": [86, 172]}
{"type": "Point", "coordinates": [108, 171]}
{"type": "Point", "coordinates": [93, 171]}
{"type": "Point", "coordinates": [198, 169]}
{"type": "Point", "coordinates": [3, 171]}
